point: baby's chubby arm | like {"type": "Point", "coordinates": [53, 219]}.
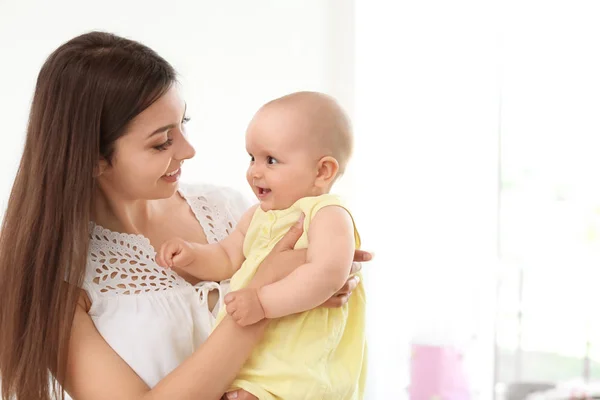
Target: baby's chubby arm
{"type": "Point", "coordinates": [208, 262]}
{"type": "Point", "coordinates": [329, 259]}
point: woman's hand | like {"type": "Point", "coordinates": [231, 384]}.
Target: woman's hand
{"type": "Point", "coordinates": [283, 259]}
{"type": "Point", "coordinates": [239, 395]}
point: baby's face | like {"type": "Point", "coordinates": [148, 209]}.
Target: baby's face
{"type": "Point", "coordinates": [283, 159]}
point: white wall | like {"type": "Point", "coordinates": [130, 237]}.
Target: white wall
{"type": "Point", "coordinates": [232, 56]}
{"type": "Point", "coordinates": [427, 103]}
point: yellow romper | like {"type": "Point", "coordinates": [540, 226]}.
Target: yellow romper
{"type": "Point", "coordinates": [317, 355]}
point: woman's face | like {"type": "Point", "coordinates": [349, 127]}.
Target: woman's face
{"type": "Point", "coordinates": [147, 159]}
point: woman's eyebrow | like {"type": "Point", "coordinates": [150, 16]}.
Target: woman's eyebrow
{"type": "Point", "coordinates": [162, 129]}
{"type": "Point", "coordinates": [167, 127]}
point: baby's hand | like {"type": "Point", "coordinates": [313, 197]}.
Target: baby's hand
{"type": "Point", "coordinates": [175, 253]}
{"type": "Point", "coordinates": [244, 306]}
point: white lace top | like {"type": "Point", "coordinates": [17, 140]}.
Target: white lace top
{"type": "Point", "coordinates": [149, 315]}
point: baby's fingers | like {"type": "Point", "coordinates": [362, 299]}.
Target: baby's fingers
{"type": "Point", "coordinates": [165, 255]}
{"type": "Point", "coordinates": [160, 260]}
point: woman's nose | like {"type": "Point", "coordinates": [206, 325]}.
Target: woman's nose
{"type": "Point", "coordinates": [185, 151]}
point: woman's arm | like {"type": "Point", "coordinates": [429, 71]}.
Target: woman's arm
{"type": "Point", "coordinates": [96, 372]}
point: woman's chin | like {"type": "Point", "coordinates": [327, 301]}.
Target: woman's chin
{"type": "Point", "coordinates": [164, 191]}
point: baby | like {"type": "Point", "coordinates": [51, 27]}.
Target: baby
{"type": "Point", "coordinates": [298, 145]}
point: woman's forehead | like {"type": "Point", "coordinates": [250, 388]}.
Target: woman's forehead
{"type": "Point", "coordinates": [167, 110]}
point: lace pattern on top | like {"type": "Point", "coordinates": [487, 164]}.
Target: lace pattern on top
{"type": "Point", "coordinates": [124, 264]}
{"type": "Point", "coordinates": [217, 223]}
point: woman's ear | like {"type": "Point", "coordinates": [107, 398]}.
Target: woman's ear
{"type": "Point", "coordinates": [327, 171]}
{"type": "Point", "coordinates": [100, 168]}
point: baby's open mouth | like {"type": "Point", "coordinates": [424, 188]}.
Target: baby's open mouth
{"type": "Point", "coordinates": [263, 191]}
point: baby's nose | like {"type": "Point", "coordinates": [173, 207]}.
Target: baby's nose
{"type": "Point", "coordinates": [256, 171]}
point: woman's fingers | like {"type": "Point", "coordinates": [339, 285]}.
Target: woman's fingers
{"type": "Point", "coordinates": [356, 267]}
{"type": "Point", "coordinates": [240, 395]}
{"type": "Point", "coordinates": [288, 241]}
{"type": "Point", "coordinates": [349, 286]}
{"type": "Point", "coordinates": [336, 301]}
{"type": "Point", "coordinates": [363, 256]}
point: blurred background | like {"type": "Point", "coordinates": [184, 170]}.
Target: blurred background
{"type": "Point", "coordinates": [475, 178]}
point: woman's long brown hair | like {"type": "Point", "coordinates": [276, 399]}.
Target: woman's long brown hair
{"type": "Point", "coordinates": [87, 92]}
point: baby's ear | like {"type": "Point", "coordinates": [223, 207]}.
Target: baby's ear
{"type": "Point", "coordinates": [327, 171]}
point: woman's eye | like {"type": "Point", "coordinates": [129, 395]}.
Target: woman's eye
{"type": "Point", "coordinates": [185, 120]}
{"type": "Point", "coordinates": [271, 160]}
{"type": "Point", "coordinates": [164, 146]}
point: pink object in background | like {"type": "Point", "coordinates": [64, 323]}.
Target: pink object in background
{"type": "Point", "coordinates": [437, 373]}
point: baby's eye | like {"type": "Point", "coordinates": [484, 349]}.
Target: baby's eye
{"type": "Point", "coordinates": [271, 160]}
{"type": "Point", "coordinates": [251, 157]}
